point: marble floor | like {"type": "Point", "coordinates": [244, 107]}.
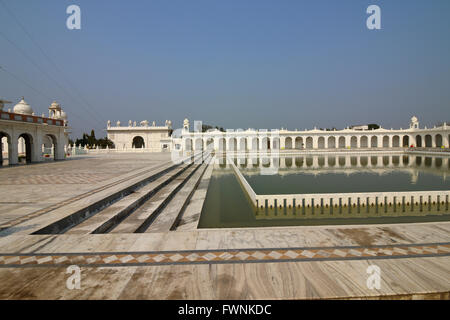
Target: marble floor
{"type": "Point", "coordinates": [190, 263]}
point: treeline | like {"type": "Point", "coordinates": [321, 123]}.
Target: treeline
{"type": "Point", "coordinates": [206, 127]}
{"type": "Point", "coordinates": [91, 140]}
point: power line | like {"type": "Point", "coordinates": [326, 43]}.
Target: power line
{"type": "Point", "coordinates": [41, 69]}
{"type": "Point", "coordinates": [26, 83]}
{"type": "Point", "coordinates": [48, 57]}
{"type": "Point", "coordinates": [34, 89]}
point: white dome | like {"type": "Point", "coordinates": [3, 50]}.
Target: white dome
{"type": "Point", "coordinates": [23, 108]}
{"type": "Point", "coordinates": [55, 105]}
{"type": "Point", "coordinates": [63, 115]}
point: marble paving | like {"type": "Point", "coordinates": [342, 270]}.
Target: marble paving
{"type": "Point", "coordinates": [190, 263]}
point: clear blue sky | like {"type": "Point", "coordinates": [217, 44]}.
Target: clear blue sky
{"type": "Point", "coordinates": [235, 63]}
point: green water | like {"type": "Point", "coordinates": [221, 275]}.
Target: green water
{"type": "Point", "coordinates": [303, 182]}
{"type": "Point", "coordinates": [227, 206]}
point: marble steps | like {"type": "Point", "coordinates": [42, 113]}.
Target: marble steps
{"type": "Point", "coordinates": [102, 221]}
{"type": "Point", "coordinates": [150, 209]}
{"type": "Point", "coordinates": [191, 215]}
{"type": "Point", "coordinates": [172, 213]}
{"type": "Point", "coordinates": [64, 218]}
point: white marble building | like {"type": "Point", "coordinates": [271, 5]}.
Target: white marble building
{"type": "Point", "coordinates": [315, 139]}
{"type": "Point", "coordinates": [25, 135]}
{"type": "Point", "coordinates": [143, 136]}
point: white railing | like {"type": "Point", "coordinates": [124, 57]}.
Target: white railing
{"type": "Point", "coordinates": [339, 201]}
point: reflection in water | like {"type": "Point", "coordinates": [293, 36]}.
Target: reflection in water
{"type": "Point", "coordinates": [226, 205]}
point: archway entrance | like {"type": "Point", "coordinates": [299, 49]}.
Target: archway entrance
{"type": "Point", "coordinates": [199, 144]}
{"type": "Point", "coordinates": [309, 143]}
{"type": "Point", "coordinates": [138, 142]}
{"type": "Point", "coordinates": [354, 142]}
{"type": "Point", "coordinates": [5, 149]}
{"type": "Point", "coordinates": [374, 142]}
{"type": "Point", "coordinates": [299, 143]}
{"type": "Point", "coordinates": [419, 141]}
{"type": "Point", "coordinates": [265, 144]}
{"type": "Point", "coordinates": [396, 142]}
{"type": "Point", "coordinates": [49, 147]}
{"type": "Point", "coordinates": [210, 144]}
{"type": "Point", "coordinates": [428, 141]}
{"type": "Point", "coordinates": [25, 148]}
{"type": "Point", "coordinates": [321, 143]}
{"type": "Point", "coordinates": [255, 144]}
{"type": "Point", "coordinates": [331, 142]}
{"type": "Point", "coordinates": [386, 142]}
{"type": "Point", "coordinates": [341, 142]}
{"type": "Point", "coordinates": [364, 142]}
{"type": "Point", "coordinates": [243, 144]}
{"type": "Point", "coordinates": [406, 141]}
{"type": "Point", "coordinates": [288, 143]}
{"type": "Point", "coordinates": [438, 140]}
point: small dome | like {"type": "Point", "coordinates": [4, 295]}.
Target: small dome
{"type": "Point", "coordinates": [55, 105]}
{"type": "Point", "coordinates": [23, 107]}
{"type": "Point", "coordinates": [63, 115]}
{"type": "Point", "coordinates": [414, 119]}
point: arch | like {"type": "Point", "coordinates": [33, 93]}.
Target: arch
{"type": "Point", "coordinates": [428, 141]}
{"type": "Point", "coordinates": [288, 143]}
{"type": "Point", "coordinates": [364, 142]}
{"type": "Point", "coordinates": [374, 142]}
{"type": "Point", "coordinates": [232, 144]}
{"type": "Point", "coordinates": [138, 143]}
{"type": "Point", "coordinates": [265, 143]}
{"type": "Point", "coordinates": [5, 147]}
{"type": "Point", "coordinates": [418, 141]}
{"type": "Point", "coordinates": [331, 142]}
{"type": "Point", "coordinates": [209, 144]}
{"type": "Point", "coordinates": [321, 143]}
{"type": "Point", "coordinates": [438, 140]}
{"type": "Point", "coordinates": [27, 152]}
{"type": "Point", "coordinates": [199, 144]}
{"type": "Point", "coordinates": [299, 143]}
{"type": "Point", "coordinates": [309, 143]}
{"type": "Point", "coordinates": [353, 142]}
{"type": "Point", "coordinates": [276, 143]}
{"type": "Point", "coordinates": [255, 144]}
{"type": "Point", "coordinates": [243, 144]}
{"type": "Point", "coordinates": [53, 146]}
{"type": "Point", "coordinates": [395, 142]}
{"type": "Point", "coordinates": [386, 143]}
{"type": "Point", "coordinates": [222, 144]}
{"type": "Point", "coordinates": [405, 141]}
{"type": "Point", "coordinates": [342, 142]}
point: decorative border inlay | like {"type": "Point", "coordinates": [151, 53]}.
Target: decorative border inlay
{"type": "Point", "coordinates": [263, 255]}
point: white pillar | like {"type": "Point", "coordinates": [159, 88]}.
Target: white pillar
{"type": "Point", "coordinates": [315, 140]}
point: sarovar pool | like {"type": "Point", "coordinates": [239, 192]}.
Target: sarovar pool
{"type": "Point", "coordinates": [327, 190]}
